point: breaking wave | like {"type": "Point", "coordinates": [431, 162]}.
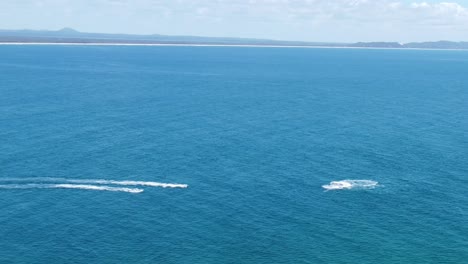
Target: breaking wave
{"type": "Point", "coordinates": [70, 186]}
{"type": "Point", "coordinates": [350, 184]}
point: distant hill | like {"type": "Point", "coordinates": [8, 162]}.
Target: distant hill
{"type": "Point", "coordinates": [394, 45]}
{"type": "Point", "coordinates": [69, 35]}
{"type": "Point", "coordinates": [438, 45]}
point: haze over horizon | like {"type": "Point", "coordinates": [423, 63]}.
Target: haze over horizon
{"type": "Point", "coordinates": [301, 20]}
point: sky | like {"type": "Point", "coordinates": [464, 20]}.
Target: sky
{"type": "Point", "coordinates": [307, 20]}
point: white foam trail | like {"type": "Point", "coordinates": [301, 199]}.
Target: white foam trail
{"type": "Point", "coordinates": [350, 184]}
{"type": "Point", "coordinates": [97, 181]}
{"type": "Point", "coordinates": [133, 183]}
{"type": "Point", "coordinates": [97, 188]}
{"type": "Point", "coordinates": [70, 186]}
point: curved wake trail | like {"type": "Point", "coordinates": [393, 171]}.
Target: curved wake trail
{"type": "Point", "coordinates": [70, 186]}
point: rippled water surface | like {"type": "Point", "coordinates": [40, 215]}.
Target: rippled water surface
{"type": "Point", "coordinates": [219, 155]}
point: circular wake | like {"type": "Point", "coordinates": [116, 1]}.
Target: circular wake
{"type": "Point", "coordinates": [350, 184]}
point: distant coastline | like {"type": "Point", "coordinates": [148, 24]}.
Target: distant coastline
{"type": "Point", "coordinates": [208, 45]}
{"type": "Point", "coordinates": [69, 36]}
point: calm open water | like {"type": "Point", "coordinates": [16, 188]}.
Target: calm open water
{"type": "Point", "coordinates": [254, 133]}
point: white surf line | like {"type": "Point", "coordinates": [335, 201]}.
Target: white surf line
{"type": "Point", "coordinates": [208, 45]}
{"type": "Point", "coordinates": [97, 181]}
{"type": "Point", "coordinates": [70, 186]}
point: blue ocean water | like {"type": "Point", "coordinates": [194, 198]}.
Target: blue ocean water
{"type": "Point", "coordinates": [254, 133]}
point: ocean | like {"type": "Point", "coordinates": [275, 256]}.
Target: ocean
{"type": "Point", "coordinates": [232, 155]}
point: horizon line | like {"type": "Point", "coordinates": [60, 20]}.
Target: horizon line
{"type": "Point", "coordinates": [72, 30]}
{"type": "Point", "coordinates": [211, 45]}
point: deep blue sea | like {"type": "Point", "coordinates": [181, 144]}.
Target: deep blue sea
{"type": "Point", "coordinates": [89, 135]}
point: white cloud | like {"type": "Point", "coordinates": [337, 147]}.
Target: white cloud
{"type": "Point", "coordinates": [334, 20]}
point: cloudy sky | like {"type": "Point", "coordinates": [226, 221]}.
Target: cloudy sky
{"type": "Point", "coordinates": [310, 20]}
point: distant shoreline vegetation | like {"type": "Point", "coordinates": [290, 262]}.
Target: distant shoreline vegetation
{"type": "Point", "coordinates": [71, 36]}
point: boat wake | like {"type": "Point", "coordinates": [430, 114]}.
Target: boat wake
{"type": "Point", "coordinates": [70, 186]}
{"type": "Point", "coordinates": [83, 184]}
{"type": "Point", "coordinates": [350, 184]}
